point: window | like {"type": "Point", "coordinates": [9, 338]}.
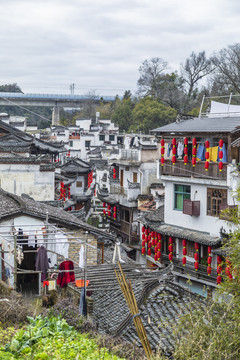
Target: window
{"type": "Point", "coordinates": [102, 137]}
{"type": "Point", "coordinates": [125, 215]}
{"type": "Point", "coordinates": [181, 192]}
{"type": "Point", "coordinates": [70, 143]}
{"type": "Point", "coordinates": [135, 177]}
{"type": "Point", "coordinates": [87, 143]}
{"type": "Point", "coordinates": [78, 183]}
{"type": "Point", "coordinates": [111, 137]}
{"type": "Point", "coordinates": [215, 197]}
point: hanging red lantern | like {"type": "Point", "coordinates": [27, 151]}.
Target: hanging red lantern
{"type": "Point", "coordinates": [143, 229]}
{"type": "Point", "coordinates": [196, 246]}
{"type": "Point", "coordinates": [149, 252]}
{"type": "Point", "coordinates": [162, 161]}
{"type": "Point", "coordinates": [196, 265]}
{"type": "Point", "coordinates": [219, 259]}
{"type": "Point", "coordinates": [185, 151]}
{"type": "Point", "coordinates": [159, 245]}
{"type": "Point", "coordinates": [114, 208]}
{"type": "Point", "coordinates": [184, 251]}
{"type": "Point", "coordinates": [230, 277]}
{"type": "Point", "coordinates": [194, 142]}
{"type": "Point", "coordinates": [155, 257]}
{"type": "Point", "coordinates": [207, 155]}
{"type": "Point", "coordinates": [206, 165]}
{"type": "Point", "coordinates": [104, 212]}
{"type": "Point", "coordinates": [184, 242]}
{"type": "Point", "coordinates": [220, 154]}
{"type": "Point", "coordinates": [220, 143]}
{"type": "Point", "coordinates": [220, 166]}
{"type": "Point", "coordinates": [170, 248]}
{"type": "Point", "coordinates": [219, 279]}
{"type": "Point", "coordinates": [162, 151]}
{"type": "Point", "coordinates": [109, 207]}
{"type": "Point", "coordinates": [114, 170]}
{"type": "Point", "coordinates": [174, 142]}
{"type": "Point", "coordinates": [194, 151]}
{"type": "Point", "coordinates": [143, 236]}
{"type": "Point", "coordinates": [143, 250]}
{"type": "Point", "coordinates": [184, 260]}
{"type": "Point", "coordinates": [104, 204]}
{"type": "Point", "coordinates": [143, 243]}
{"type": "Point", "coordinates": [185, 159]}
{"type": "Point", "coordinates": [227, 271]}
{"type": "Point", "coordinates": [159, 236]}
{"type": "Point", "coordinates": [206, 144]}
{"type": "Point", "coordinates": [149, 237]}
{"type": "Point", "coordinates": [209, 260]}
{"type": "Point", "coordinates": [174, 159]}
{"type": "Point", "coordinates": [209, 270]}
{"type": "Point", "coordinates": [170, 240]}
{"type": "Point", "coordinates": [194, 161]}
{"type": "Point", "coordinates": [155, 249]}
{"type": "Point", "coordinates": [146, 231]}
{"type": "Point", "coordinates": [174, 151]}
{"type": "Point", "coordinates": [209, 249]}
{"type": "Point", "coordinates": [109, 213]}
{"type": "Point", "coordinates": [162, 142]}
{"type": "Point", "coordinates": [219, 269]}
{"type": "Point", "coordinates": [185, 141]}
{"type": "Point", "coordinates": [170, 257]}
{"type": "Point", "coordinates": [114, 175]}
{"type": "Point", "coordinates": [196, 256]}
{"type": "Point", "coordinates": [158, 254]}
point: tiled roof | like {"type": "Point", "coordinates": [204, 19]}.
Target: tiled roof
{"type": "Point", "coordinates": [202, 125]}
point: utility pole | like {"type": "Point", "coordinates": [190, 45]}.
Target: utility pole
{"type": "Point", "coordinates": [72, 87]}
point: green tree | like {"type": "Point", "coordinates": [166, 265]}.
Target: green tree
{"type": "Point", "coordinates": [149, 114]}
{"type": "Point", "coordinates": [10, 88]}
{"type": "Point", "coordinates": [122, 116]}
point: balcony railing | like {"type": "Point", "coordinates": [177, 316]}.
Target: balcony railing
{"type": "Point", "coordinates": [116, 189]}
{"type": "Point", "coordinates": [131, 155]}
{"type": "Point", "coordinates": [197, 171]}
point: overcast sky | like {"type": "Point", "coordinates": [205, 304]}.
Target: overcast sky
{"type": "Point", "coordinates": [46, 45]}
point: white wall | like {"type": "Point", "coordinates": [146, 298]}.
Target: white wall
{"type": "Point", "coordinates": [203, 222]}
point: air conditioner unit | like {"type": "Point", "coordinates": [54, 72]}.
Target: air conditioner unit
{"type": "Point", "coordinates": [191, 207]}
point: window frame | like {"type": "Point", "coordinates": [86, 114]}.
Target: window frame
{"type": "Point", "coordinates": [185, 195]}
{"type": "Point", "coordinates": [215, 197]}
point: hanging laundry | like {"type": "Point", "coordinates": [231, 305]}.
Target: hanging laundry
{"type": "Point", "coordinates": [81, 257]}
{"type": "Point", "coordinates": [42, 262]}
{"type": "Point", "coordinates": [213, 153]}
{"type": "Point", "coordinates": [39, 236]}
{"type": "Point", "coordinates": [201, 152]}
{"type": "Point", "coordinates": [31, 238]}
{"type": "Point", "coordinates": [180, 149]}
{"type": "Point", "coordinates": [65, 277]}
{"type": "Point", "coordinates": [83, 304]}
{"type": "Point", "coordinates": [62, 244]}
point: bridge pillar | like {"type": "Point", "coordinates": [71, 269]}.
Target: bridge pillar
{"type": "Point", "coordinates": [55, 115]}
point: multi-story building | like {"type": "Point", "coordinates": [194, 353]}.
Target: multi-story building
{"type": "Point", "coordinates": [199, 169]}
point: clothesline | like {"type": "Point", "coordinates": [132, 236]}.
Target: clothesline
{"type": "Point", "coordinates": [202, 175]}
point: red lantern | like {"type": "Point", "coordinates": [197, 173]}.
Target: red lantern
{"type": "Point", "coordinates": [109, 207]}
{"type": "Point", "coordinates": [155, 257]}
{"type": "Point", "coordinates": [206, 155]}
{"type": "Point", "coordinates": [220, 143]}
{"type": "Point", "coordinates": [196, 246]}
{"type": "Point", "coordinates": [227, 271]}
{"type": "Point", "coordinates": [194, 142]}
{"type": "Point", "coordinates": [219, 279]}
{"type": "Point", "coordinates": [206, 165]}
{"type": "Point", "coordinates": [219, 269]}
{"type": "Point", "coordinates": [162, 151]}
{"type": "Point", "coordinates": [194, 161]}
{"type": "Point", "coordinates": [219, 259]}
{"type": "Point", "coordinates": [149, 244]}
{"type": "Point", "coordinates": [143, 229]}
{"type": "Point", "coordinates": [209, 249]}
{"type": "Point", "coordinates": [220, 154]}
{"type": "Point", "coordinates": [170, 257]}
{"type": "Point", "coordinates": [196, 265]}
{"type": "Point", "coordinates": [159, 236]}
{"type": "Point", "coordinates": [185, 141]}
{"type": "Point", "coordinates": [146, 231]}
{"type": "Point", "coordinates": [170, 240]}
{"type": "Point", "coordinates": [104, 204]}
{"type": "Point", "coordinates": [162, 161]}
{"type": "Point", "coordinates": [184, 260]}
{"type": "Point", "coordinates": [109, 213]}
{"type": "Point", "coordinates": [143, 243]}
{"type": "Point", "coordinates": [149, 252]}
{"type": "Point", "coordinates": [159, 245]}
{"type": "Point", "coordinates": [143, 236]}
{"type": "Point", "coordinates": [114, 170]}
{"type": "Point", "coordinates": [194, 151]}
{"type": "Point", "coordinates": [170, 248]}
{"type": "Point", "coordinates": [114, 175]}
{"type": "Point", "coordinates": [158, 254]}
{"type": "Point", "coordinates": [196, 256]}
{"type": "Point", "coordinates": [206, 144]}
{"type": "Point", "coordinates": [162, 142]}
{"type": "Point", "coordinates": [174, 141]}
{"type": "Point", "coordinates": [184, 242]}
{"type": "Point", "coordinates": [185, 159]}
{"type": "Point", "coordinates": [114, 208]}
{"type": "Point", "coordinates": [185, 151]}
{"type": "Point", "coordinates": [209, 270]}
{"type": "Point", "coordinates": [104, 212]}
{"type": "Point", "coordinates": [143, 250]}
{"type": "Point", "coordinates": [220, 166]}
{"type": "Point", "coordinates": [184, 251]}
{"type": "Point", "coordinates": [209, 260]}
{"type": "Point", "coordinates": [174, 159]}
{"type": "Point", "coordinates": [149, 237]}
{"type": "Point", "coordinates": [155, 249]}
{"type": "Point", "coordinates": [174, 151]}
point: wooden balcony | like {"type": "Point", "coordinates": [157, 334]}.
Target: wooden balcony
{"type": "Point", "coordinates": [197, 171]}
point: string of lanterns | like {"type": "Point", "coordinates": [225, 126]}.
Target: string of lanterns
{"type": "Point", "coordinates": [194, 151]}
{"type": "Point", "coordinates": [219, 269]}
{"type": "Point", "coordinates": [111, 210]}
{"type": "Point", "coordinates": [90, 179]}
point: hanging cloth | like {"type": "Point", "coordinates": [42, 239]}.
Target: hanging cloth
{"type": "Point", "coordinates": [180, 149]}
{"type": "Point", "coordinates": [83, 304]}
{"type": "Point", "coordinates": [213, 153]}
{"type": "Point", "coordinates": [65, 277]}
{"type": "Point", "coordinates": [42, 262]}
{"type": "Point", "coordinates": [81, 257]}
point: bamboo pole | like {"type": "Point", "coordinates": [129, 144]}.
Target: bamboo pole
{"type": "Point", "coordinates": [128, 293]}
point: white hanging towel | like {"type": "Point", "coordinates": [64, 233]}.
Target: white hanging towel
{"type": "Point", "coordinates": [81, 257]}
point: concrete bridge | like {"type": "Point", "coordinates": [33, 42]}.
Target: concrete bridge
{"type": "Point", "coordinates": [56, 101]}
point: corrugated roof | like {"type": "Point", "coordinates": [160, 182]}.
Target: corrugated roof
{"type": "Point", "coordinates": [202, 125]}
